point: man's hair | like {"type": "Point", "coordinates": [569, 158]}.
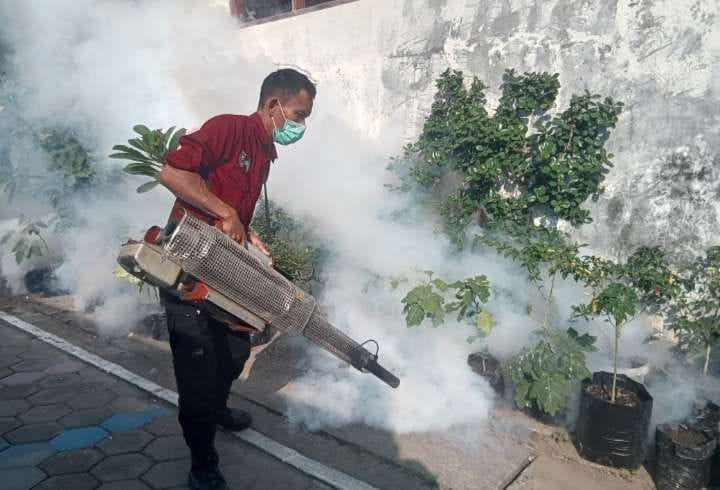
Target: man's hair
{"type": "Point", "coordinates": [285, 83]}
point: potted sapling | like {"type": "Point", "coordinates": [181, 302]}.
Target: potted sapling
{"type": "Point", "coordinates": [615, 410]}
{"type": "Point", "coordinates": [695, 312]}
{"type": "Point", "coordinates": [545, 374]}
{"type": "Point", "coordinates": [429, 301]}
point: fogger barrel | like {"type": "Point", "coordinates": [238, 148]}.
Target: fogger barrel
{"type": "Point", "coordinates": [235, 280]}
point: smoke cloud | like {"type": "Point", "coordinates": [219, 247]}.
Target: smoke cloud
{"type": "Point", "coordinates": [100, 67]}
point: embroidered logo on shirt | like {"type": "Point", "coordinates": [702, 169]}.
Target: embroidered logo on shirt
{"type": "Point", "coordinates": [244, 161]}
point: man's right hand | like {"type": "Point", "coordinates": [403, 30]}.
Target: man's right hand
{"type": "Point", "coordinates": [232, 227]}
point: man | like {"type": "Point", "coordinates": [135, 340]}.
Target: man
{"type": "Point", "coordinates": [217, 174]}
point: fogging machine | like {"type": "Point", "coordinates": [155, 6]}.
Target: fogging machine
{"type": "Point", "coordinates": [235, 284]}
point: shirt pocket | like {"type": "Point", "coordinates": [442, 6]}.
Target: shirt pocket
{"type": "Point", "coordinates": [236, 177]}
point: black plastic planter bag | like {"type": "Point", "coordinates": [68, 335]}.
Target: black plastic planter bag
{"type": "Point", "coordinates": [708, 421]}
{"type": "Point", "coordinates": [613, 434]}
{"type": "Point", "coordinates": [679, 466]}
{"type": "Point", "coordinates": [490, 369]}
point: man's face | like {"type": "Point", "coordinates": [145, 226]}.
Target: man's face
{"type": "Point", "coordinates": [296, 108]}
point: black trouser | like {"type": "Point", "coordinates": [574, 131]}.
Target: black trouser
{"type": "Point", "coordinates": [207, 357]}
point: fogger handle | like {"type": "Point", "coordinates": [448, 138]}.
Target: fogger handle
{"type": "Point", "coordinates": [382, 374]}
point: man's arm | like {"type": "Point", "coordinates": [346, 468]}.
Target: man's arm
{"type": "Point", "coordinates": [201, 151]}
{"type": "Point", "coordinates": [192, 188]}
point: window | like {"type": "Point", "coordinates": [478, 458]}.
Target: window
{"type": "Point", "coordinates": [259, 9]}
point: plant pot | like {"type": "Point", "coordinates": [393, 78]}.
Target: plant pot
{"type": "Point", "coordinates": [42, 281]}
{"type": "Point", "coordinates": [684, 456]}
{"type": "Point", "coordinates": [707, 419]}
{"type": "Point", "coordinates": [613, 434]}
{"type": "Point", "coordinates": [489, 368]}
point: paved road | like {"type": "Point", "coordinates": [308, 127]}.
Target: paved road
{"type": "Point", "coordinates": [67, 425]}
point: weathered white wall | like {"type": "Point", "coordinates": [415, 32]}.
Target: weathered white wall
{"type": "Point", "coordinates": [660, 57]}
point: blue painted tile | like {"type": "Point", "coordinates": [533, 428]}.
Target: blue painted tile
{"type": "Point", "coordinates": [26, 454]}
{"type": "Point", "coordinates": [124, 421]}
{"type": "Point", "coordinates": [155, 411]}
{"type": "Point", "coordinates": [79, 438]}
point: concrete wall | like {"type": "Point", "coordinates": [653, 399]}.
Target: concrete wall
{"type": "Point", "coordinates": [660, 57]}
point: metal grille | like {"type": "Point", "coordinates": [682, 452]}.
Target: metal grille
{"type": "Point", "coordinates": [330, 338]}
{"type": "Point", "coordinates": [224, 265]}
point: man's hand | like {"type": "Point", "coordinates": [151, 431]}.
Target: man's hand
{"type": "Point", "coordinates": [232, 227]}
{"type": "Point", "coordinates": [258, 243]}
{"type": "Point", "coordinates": [239, 327]}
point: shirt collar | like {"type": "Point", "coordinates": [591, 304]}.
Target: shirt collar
{"type": "Point", "coordinates": [260, 133]}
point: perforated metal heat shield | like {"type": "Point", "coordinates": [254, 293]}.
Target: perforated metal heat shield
{"type": "Point", "coordinates": [213, 258]}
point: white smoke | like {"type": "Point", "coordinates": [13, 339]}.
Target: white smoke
{"type": "Point", "coordinates": [102, 66]}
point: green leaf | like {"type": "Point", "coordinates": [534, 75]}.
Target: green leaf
{"type": "Point", "coordinates": [147, 186]}
{"type": "Point", "coordinates": [141, 130]}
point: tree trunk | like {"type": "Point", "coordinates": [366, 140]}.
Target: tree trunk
{"type": "Point", "coordinates": [615, 359]}
{"type": "Point", "coordinates": [707, 359]}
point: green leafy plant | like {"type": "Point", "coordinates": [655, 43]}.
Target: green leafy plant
{"type": "Point", "coordinates": [695, 311]}
{"type": "Point", "coordinates": [544, 375]}
{"type": "Point", "coordinates": [512, 164]}
{"type": "Point", "coordinates": [297, 253]}
{"type": "Point", "coordinates": [429, 301]}
{"type": "Point", "coordinates": [147, 152]}
{"type": "Point", "coordinates": [621, 291]}
{"type": "Point", "coordinates": [29, 240]}
{"type": "Point", "coordinates": [545, 254]}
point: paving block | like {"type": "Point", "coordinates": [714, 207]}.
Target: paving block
{"type": "Point", "coordinates": [169, 474]}
{"type": "Point", "coordinates": [126, 421]}
{"type": "Point", "coordinates": [5, 372]}
{"type": "Point", "coordinates": [21, 478]}
{"type": "Point", "coordinates": [23, 378]}
{"type": "Point", "coordinates": [79, 438]}
{"type": "Point", "coordinates": [167, 448]}
{"type": "Point", "coordinates": [92, 386]}
{"type": "Point", "coordinates": [124, 485]}
{"type": "Point", "coordinates": [92, 399]}
{"type": "Point", "coordinates": [85, 418]}
{"type": "Point", "coordinates": [33, 365]}
{"type": "Point", "coordinates": [34, 433]}
{"type": "Point", "coordinates": [60, 380]}
{"type": "Point", "coordinates": [78, 481]}
{"type": "Point", "coordinates": [9, 408]}
{"type": "Point", "coordinates": [17, 392]}
{"type": "Point", "coordinates": [75, 461]}
{"type": "Point", "coordinates": [6, 361]}
{"type": "Point", "coordinates": [7, 424]}
{"type": "Point", "coordinates": [121, 467]}
{"type": "Point", "coordinates": [65, 367]}
{"type": "Point", "coordinates": [164, 426]}
{"type": "Point", "coordinates": [51, 395]}
{"type": "Point", "coordinates": [37, 349]}
{"type": "Point", "coordinates": [44, 413]}
{"type": "Point", "coordinates": [128, 404]}
{"type": "Point", "coordinates": [26, 454]}
{"type": "Point", "coordinates": [125, 442]}
{"type": "Point", "coordinates": [155, 411]}
{"type": "Point", "coordinates": [12, 350]}
{"type": "Point", "coordinates": [3, 444]}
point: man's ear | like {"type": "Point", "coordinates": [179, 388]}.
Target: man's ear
{"type": "Point", "coordinates": [272, 103]}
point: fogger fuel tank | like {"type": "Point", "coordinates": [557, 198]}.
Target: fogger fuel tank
{"type": "Point", "coordinates": [198, 263]}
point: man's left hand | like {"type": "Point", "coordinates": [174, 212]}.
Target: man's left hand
{"type": "Point", "coordinates": [260, 245]}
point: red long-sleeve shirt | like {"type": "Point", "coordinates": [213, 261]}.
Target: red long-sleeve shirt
{"type": "Point", "coordinates": [233, 154]}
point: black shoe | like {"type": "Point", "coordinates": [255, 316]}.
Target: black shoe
{"type": "Point", "coordinates": [208, 478]}
{"type": "Point", "coordinates": [234, 420]}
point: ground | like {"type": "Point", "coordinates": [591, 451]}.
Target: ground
{"type": "Point", "coordinates": [381, 459]}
